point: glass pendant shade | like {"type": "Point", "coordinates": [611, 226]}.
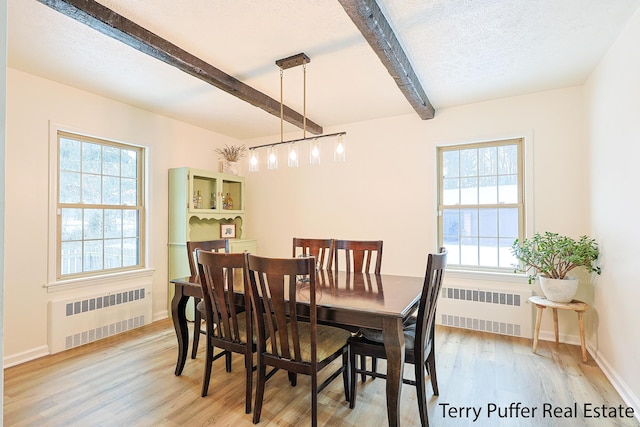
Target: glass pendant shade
{"type": "Point", "coordinates": [339, 149]}
{"type": "Point", "coordinates": [272, 160]}
{"type": "Point", "coordinates": [314, 152]}
{"type": "Point", "coordinates": [292, 158]}
{"type": "Point", "coordinates": [253, 161]}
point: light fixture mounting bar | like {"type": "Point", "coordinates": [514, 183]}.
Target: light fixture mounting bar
{"type": "Point", "coordinates": [298, 140]}
{"type": "Point", "coordinates": [293, 61]}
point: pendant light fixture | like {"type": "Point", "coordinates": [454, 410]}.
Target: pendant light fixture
{"type": "Point", "coordinates": [315, 146]}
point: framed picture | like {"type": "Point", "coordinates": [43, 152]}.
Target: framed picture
{"type": "Point", "coordinates": [227, 231]}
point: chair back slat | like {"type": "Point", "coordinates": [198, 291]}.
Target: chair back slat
{"type": "Point", "coordinates": [358, 255]}
{"type": "Point", "coordinates": [322, 249]}
{"type": "Point", "coordinates": [206, 245]}
{"type": "Point", "coordinates": [436, 264]}
{"type": "Point", "coordinates": [216, 271]}
{"type": "Point", "coordinates": [273, 286]}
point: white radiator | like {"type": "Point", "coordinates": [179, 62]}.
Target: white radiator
{"type": "Point", "coordinates": [500, 311]}
{"type": "Point", "coordinates": [82, 319]}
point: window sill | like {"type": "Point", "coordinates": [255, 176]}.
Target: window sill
{"type": "Point", "coordinates": [81, 282]}
{"type": "Point", "coordinates": [492, 276]}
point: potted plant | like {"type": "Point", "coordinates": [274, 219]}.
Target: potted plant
{"type": "Point", "coordinates": [231, 155]}
{"type": "Point", "coordinates": [552, 256]}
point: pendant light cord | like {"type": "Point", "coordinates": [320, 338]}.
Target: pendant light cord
{"type": "Point", "coordinates": [281, 109]}
{"type": "Point", "coordinates": [304, 101]}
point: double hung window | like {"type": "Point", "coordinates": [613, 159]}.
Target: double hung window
{"type": "Point", "coordinates": [481, 203]}
{"type": "Point", "coordinates": [100, 206]}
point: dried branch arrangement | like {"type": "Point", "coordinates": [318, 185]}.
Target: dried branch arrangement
{"type": "Point", "coordinates": [232, 153]}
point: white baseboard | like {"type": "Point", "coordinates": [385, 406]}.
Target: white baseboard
{"type": "Point", "coordinates": [160, 315]}
{"type": "Point", "coordinates": [26, 356]}
{"type": "Point", "coordinates": [629, 398]}
{"type": "Point", "coordinates": [564, 338]}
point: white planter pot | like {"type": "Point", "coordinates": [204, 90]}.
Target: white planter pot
{"type": "Point", "coordinates": [559, 290]}
{"type": "Point", "coordinates": [230, 167]}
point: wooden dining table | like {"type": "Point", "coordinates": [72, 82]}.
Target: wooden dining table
{"type": "Point", "coordinates": [379, 302]}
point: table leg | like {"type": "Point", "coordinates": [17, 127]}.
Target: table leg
{"type": "Point", "coordinates": [394, 348]}
{"type": "Point", "coordinates": [582, 343]}
{"type": "Point", "coordinates": [178, 306]}
{"type": "Point", "coordinates": [555, 324]}
{"type": "Point", "coordinates": [538, 321]}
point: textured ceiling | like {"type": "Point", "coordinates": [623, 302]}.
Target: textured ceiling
{"type": "Point", "coordinates": [462, 51]}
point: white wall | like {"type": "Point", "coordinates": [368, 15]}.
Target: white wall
{"type": "Point", "coordinates": [613, 100]}
{"type": "Point", "coordinates": [386, 189]}
{"type": "Point", "coordinates": [32, 103]}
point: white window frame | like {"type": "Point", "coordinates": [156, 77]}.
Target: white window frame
{"type": "Point", "coordinates": [91, 278]}
{"type": "Point", "coordinates": [485, 273]}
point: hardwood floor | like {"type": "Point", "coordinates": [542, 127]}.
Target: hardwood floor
{"type": "Point", "coordinates": [128, 380]}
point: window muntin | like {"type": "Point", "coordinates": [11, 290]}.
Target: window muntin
{"type": "Point", "coordinates": [99, 206]}
{"type": "Point", "coordinates": [481, 203]}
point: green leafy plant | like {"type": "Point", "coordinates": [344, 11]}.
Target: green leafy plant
{"type": "Point", "coordinates": [554, 255]}
{"type": "Point", "coordinates": [232, 153]}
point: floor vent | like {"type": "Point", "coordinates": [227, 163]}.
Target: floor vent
{"type": "Point", "coordinates": [83, 319]}
{"type": "Point", "coordinates": [497, 311]}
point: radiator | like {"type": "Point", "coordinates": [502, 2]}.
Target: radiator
{"type": "Point", "coordinates": [83, 319]}
{"type": "Point", "coordinates": [499, 311]}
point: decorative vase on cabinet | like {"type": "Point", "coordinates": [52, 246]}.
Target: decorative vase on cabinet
{"type": "Point", "coordinates": [232, 168]}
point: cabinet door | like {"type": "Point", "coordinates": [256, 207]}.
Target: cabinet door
{"type": "Point", "coordinates": [243, 245]}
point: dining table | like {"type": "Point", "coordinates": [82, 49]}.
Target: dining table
{"type": "Point", "coordinates": [376, 301]}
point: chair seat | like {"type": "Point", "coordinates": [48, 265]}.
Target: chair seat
{"type": "Point", "coordinates": [330, 340]}
{"type": "Point", "coordinates": [242, 328]}
{"type": "Point", "coordinates": [409, 329]}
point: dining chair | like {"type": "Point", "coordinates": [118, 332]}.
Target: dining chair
{"type": "Point", "coordinates": [358, 255]}
{"type": "Point", "coordinates": [284, 341]}
{"type": "Point", "coordinates": [419, 339]}
{"type": "Point", "coordinates": [206, 245]}
{"type": "Point", "coordinates": [322, 249]}
{"type": "Point", "coordinates": [227, 328]}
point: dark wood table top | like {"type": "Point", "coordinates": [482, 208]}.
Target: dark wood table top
{"type": "Point", "coordinates": [366, 297]}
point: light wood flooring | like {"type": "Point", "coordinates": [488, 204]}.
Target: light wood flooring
{"type": "Point", "coordinates": [128, 380]}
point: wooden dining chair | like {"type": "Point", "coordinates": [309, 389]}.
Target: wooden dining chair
{"type": "Point", "coordinates": [206, 245]}
{"type": "Point", "coordinates": [227, 328]}
{"type": "Point", "coordinates": [322, 249]}
{"type": "Point", "coordinates": [299, 347]}
{"type": "Point", "coordinates": [419, 339]}
{"type": "Point", "coordinates": [358, 255]}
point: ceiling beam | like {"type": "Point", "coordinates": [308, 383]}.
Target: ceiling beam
{"type": "Point", "coordinates": [375, 28]}
{"type": "Point", "coordinates": [110, 23]}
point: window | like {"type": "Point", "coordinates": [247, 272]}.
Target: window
{"type": "Point", "coordinates": [100, 212]}
{"type": "Point", "coordinates": [481, 203]}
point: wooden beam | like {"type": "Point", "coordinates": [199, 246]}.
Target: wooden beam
{"type": "Point", "coordinates": [375, 28]}
{"type": "Point", "coordinates": [110, 23]}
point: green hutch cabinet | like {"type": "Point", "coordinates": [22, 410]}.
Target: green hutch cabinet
{"type": "Point", "coordinates": [202, 204]}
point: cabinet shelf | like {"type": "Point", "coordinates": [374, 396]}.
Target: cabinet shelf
{"type": "Point", "coordinates": [214, 190]}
